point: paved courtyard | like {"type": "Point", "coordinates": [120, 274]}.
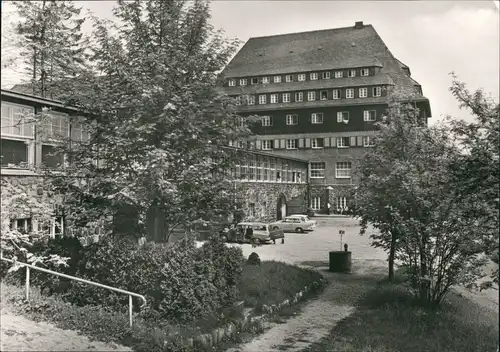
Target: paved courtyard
{"type": "Point", "coordinates": [315, 245]}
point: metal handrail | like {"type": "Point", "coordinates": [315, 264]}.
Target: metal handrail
{"type": "Point", "coordinates": [28, 266]}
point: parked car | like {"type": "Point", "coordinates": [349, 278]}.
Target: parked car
{"type": "Point", "coordinates": [295, 224]}
{"type": "Point", "coordinates": [303, 217]}
{"type": "Point", "coordinates": [262, 232]}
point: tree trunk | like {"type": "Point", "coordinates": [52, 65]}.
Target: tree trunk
{"type": "Point", "coordinates": [392, 254]}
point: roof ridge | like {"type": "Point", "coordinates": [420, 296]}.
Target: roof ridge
{"type": "Point", "coordinates": [308, 32]}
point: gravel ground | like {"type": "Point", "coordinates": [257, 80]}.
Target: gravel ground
{"type": "Point", "coordinates": [21, 334]}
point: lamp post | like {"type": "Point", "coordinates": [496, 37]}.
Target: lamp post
{"type": "Point", "coordinates": [329, 189]}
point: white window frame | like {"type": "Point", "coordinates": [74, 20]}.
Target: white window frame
{"type": "Point", "coordinates": [365, 72]}
{"type": "Point", "coordinates": [286, 97]}
{"type": "Point", "coordinates": [351, 73]}
{"type": "Point", "coordinates": [311, 94]}
{"type": "Point", "coordinates": [339, 74]}
{"type": "Point", "coordinates": [349, 93]}
{"type": "Point", "coordinates": [342, 116]}
{"type": "Point", "coordinates": [377, 91]}
{"type": "Point", "coordinates": [317, 169]}
{"type": "Point", "coordinates": [251, 100]}
{"type": "Point", "coordinates": [326, 75]}
{"type": "Point", "coordinates": [369, 115]}
{"type": "Point", "coordinates": [232, 82]}
{"type": "Point", "coordinates": [368, 142]}
{"type": "Point", "coordinates": [363, 92]}
{"type": "Point", "coordinates": [317, 118]}
{"type": "Point", "coordinates": [289, 78]}
{"type": "Point", "coordinates": [12, 121]}
{"type": "Point", "coordinates": [243, 81]}
{"type": "Point", "coordinates": [301, 77]}
{"type": "Point", "coordinates": [291, 144]}
{"type": "Point", "coordinates": [313, 76]}
{"type": "Point", "coordinates": [267, 144]}
{"type": "Point", "coordinates": [292, 119]}
{"type": "Point", "coordinates": [266, 80]}
{"type": "Point", "coordinates": [338, 94]}
{"type": "Point", "coordinates": [316, 203]}
{"type": "Point", "coordinates": [78, 129]}
{"type": "Point", "coordinates": [277, 79]}
{"type": "Point", "coordinates": [341, 202]}
{"type": "Point", "coordinates": [321, 94]}
{"type": "Point", "coordinates": [262, 99]}
{"type": "Point", "coordinates": [274, 98]}
{"type": "Point", "coordinates": [267, 121]}
{"type": "Point", "coordinates": [345, 169]}
{"type": "Point", "coordinates": [315, 143]}
{"type": "Point", "coordinates": [300, 95]}
{"type": "Point", "coordinates": [342, 142]}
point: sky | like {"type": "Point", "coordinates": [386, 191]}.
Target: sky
{"type": "Point", "coordinates": [433, 38]}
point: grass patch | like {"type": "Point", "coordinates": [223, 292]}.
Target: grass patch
{"type": "Point", "coordinates": [388, 319]}
{"type": "Point", "coordinates": [272, 282]}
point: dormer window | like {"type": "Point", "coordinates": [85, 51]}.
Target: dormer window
{"type": "Point", "coordinates": [243, 81]}
{"type": "Point", "coordinates": [311, 96]}
{"type": "Point", "coordinates": [251, 100]}
{"type": "Point", "coordinates": [254, 81]}
{"type": "Point", "coordinates": [349, 93]}
{"type": "Point", "coordinates": [339, 74]}
{"type": "Point", "coordinates": [351, 73]}
{"type": "Point", "coordinates": [313, 76]}
{"type": "Point", "coordinates": [262, 99]}
{"type": "Point", "coordinates": [336, 94]}
{"type": "Point", "coordinates": [277, 79]}
{"type": "Point", "coordinates": [288, 78]}
{"type": "Point", "coordinates": [363, 92]}
{"type": "Point", "coordinates": [232, 83]}
{"type": "Point", "coordinates": [377, 91]}
{"type": "Point", "coordinates": [265, 80]}
{"type": "Point", "coordinates": [325, 75]}
{"type": "Point", "coordinates": [301, 77]}
{"type": "Point", "coordinates": [274, 98]}
{"type": "Point", "coordinates": [365, 72]}
{"type": "Point", "coordinates": [323, 95]}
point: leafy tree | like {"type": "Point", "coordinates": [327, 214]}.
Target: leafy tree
{"type": "Point", "coordinates": [51, 43]}
{"type": "Point", "coordinates": [158, 124]}
{"type": "Point", "coordinates": [407, 191]}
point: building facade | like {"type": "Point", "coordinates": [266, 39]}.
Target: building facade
{"type": "Point", "coordinates": [319, 95]}
{"type": "Point", "coordinates": [272, 186]}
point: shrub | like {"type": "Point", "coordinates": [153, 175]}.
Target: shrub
{"type": "Point", "coordinates": [253, 259]}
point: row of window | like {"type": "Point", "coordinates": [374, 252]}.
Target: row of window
{"type": "Point", "coordinates": [300, 77]}
{"type": "Point", "coordinates": [342, 169]}
{"type": "Point", "coordinates": [318, 118]}
{"type": "Point", "coordinates": [269, 169]}
{"type": "Point", "coordinates": [341, 204]}
{"type": "Point", "coordinates": [275, 98]}
{"type": "Point", "coordinates": [318, 143]}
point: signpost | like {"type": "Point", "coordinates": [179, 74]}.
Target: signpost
{"type": "Point", "coordinates": [341, 233]}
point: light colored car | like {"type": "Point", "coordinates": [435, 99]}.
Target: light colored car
{"type": "Point", "coordinates": [302, 217]}
{"type": "Point", "coordinates": [262, 232]}
{"type": "Point", "coordinates": [295, 224]}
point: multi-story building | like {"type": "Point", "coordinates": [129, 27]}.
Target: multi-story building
{"type": "Point", "coordinates": [319, 95]}
{"type": "Point", "coordinates": [271, 185]}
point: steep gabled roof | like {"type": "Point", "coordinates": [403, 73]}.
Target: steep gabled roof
{"type": "Point", "coordinates": [348, 47]}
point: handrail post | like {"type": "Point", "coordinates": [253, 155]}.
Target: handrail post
{"type": "Point", "coordinates": [130, 309]}
{"type": "Point", "coordinates": [27, 283]}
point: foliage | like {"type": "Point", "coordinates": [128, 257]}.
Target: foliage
{"type": "Point", "coordinates": [182, 283]}
{"type": "Point", "coordinates": [253, 259]}
{"type": "Point", "coordinates": [16, 243]}
{"type": "Point", "coordinates": [158, 124]}
{"type": "Point", "coordinates": [273, 282]}
{"type": "Point", "coordinates": [388, 319]}
{"type": "Point", "coordinates": [51, 43]}
{"type": "Point", "coordinates": [408, 191]}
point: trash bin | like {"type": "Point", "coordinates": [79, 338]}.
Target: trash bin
{"type": "Point", "coordinates": [340, 262]}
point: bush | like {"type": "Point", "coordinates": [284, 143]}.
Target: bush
{"type": "Point", "coordinates": [253, 259]}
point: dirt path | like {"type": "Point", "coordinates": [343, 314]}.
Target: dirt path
{"type": "Point", "coordinates": [318, 317]}
{"type": "Point", "coordinates": [21, 334]}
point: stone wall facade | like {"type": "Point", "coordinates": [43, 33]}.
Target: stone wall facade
{"type": "Point", "coordinates": [260, 199]}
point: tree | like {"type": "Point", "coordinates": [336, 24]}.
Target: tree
{"type": "Point", "coordinates": [158, 124]}
{"type": "Point", "coordinates": [408, 192]}
{"type": "Point", "coordinates": [51, 43]}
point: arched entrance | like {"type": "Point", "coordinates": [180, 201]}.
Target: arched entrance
{"type": "Point", "coordinates": [281, 207]}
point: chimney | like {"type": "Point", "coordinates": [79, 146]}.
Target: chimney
{"type": "Point", "coordinates": [358, 25]}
